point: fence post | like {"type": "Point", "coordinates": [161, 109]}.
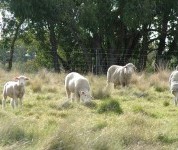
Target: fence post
{"type": "Point", "coordinates": [96, 61]}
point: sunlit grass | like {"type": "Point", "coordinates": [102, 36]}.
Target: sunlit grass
{"type": "Point", "coordinates": [141, 116]}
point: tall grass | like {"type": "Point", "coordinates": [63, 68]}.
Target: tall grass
{"type": "Point", "coordinates": [141, 116]}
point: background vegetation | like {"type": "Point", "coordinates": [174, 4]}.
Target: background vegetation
{"type": "Point", "coordinates": [141, 116]}
{"type": "Point", "coordinates": [90, 35]}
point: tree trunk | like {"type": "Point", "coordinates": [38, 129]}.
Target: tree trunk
{"type": "Point", "coordinates": [162, 41]}
{"type": "Point", "coordinates": [54, 46]}
{"type": "Point", "coordinates": [97, 45]}
{"type": "Point", "coordinates": [143, 50]}
{"type": "Point", "coordinates": [13, 45]}
{"type": "Point", "coordinates": [130, 45]}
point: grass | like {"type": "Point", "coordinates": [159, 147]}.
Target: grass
{"type": "Point", "coordinates": [141, 116]}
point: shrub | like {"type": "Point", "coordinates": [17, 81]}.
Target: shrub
{"type": "Point", "coordinates": [110, 106]}
{"type": "Point", "coordinates": [166, 103]}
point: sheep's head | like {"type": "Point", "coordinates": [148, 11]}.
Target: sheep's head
{"type": "Point", "coordinates": [21, 80]}
{"type": "Point", "coordinates": [130, 67]}
{"type": "Point", "coordinates": [85, 96]}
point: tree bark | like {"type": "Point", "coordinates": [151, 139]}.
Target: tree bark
{"type": "Point", "coordinates": [144, 49]}
{"type": "Point", "coordinates": [13, 45]}
{"type": "Point", "coordinates": [162, 41]}
{"type": "Point", "coordinates": [54, 46]}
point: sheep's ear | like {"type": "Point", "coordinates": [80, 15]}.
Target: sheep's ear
{"type": "Point", "coordinates": [16, 78]}
{"type": "Point", "coordinates": [26, 78]}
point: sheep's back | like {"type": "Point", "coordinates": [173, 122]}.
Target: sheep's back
{"type": "Point", "coordinates": [82, 84]}
{"type": "Point", "coordinates": [11, 88]}
{"type": "Point", "coordinates": [112, 72]}
{"type": "Point", "coordinates": [174, 86]}
{"type": "Point", "coordinates": [174, 76]}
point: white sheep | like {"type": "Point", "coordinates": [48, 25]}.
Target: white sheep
{"type": "Point", "coordinates": [120, 75]}
{"type": "Point", "coordinates": [79, 85]}
{"type": "Point", "coordinates": [15, 90]}
{"type": "Point", "coordinates": [173, 81]}
{"type": "Point", "coordinates": [173, 76]}
{"type": "Point", "coordinates": [174, 91]}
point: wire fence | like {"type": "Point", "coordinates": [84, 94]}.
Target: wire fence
{"type": "Point", "coordinates": [96, 63]}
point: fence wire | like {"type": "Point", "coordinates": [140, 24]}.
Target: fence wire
{"type": "Point", "coordinates": [94, 62]}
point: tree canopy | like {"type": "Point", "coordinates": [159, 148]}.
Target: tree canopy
{"type": "Point", "coordinates": [91, 35]}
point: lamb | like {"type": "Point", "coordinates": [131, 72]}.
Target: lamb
{"type": "Point", "coordinates": [15, 90]}
{"type": "Point", "coordinates": [120, 75]}
{"type": "Point", "coordinates": [79, 85]}
{"type": "Point", "coordinates": [173, 81]}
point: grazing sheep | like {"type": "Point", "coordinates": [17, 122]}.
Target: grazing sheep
{"type": "Point", "coordinates": [79, 85]}
{"type": "Point", "coordinates": [173, 81]}
{"type": "Point", "coordinates": [120, 75]}
{"type": "Point", "coordinates": [15, 90]}
{"type": "Point", "coordinates": [174, 76]}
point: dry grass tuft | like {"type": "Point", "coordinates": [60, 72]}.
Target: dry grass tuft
{"type": "Point", "coordinates": [48, 121]}
{"type": "Point", "coordinates": [160, 80]}
{"type": "Point", "coordinates": [36, 85]}
{"type": "Point", "coordinates": [159, 77]}
{"type": "Point", "coordinates": [140, 82]}
{"type": "Point", "coordinates": [99, 89]}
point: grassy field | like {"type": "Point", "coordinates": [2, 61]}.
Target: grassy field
{"type": "Point", "coordinates": [139, 117]}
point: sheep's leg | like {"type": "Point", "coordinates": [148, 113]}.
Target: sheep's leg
{"type": "Point", "coordinates": [68, 93]}
{"type": "Point", "coordinates": [115, 86]}
{"type": "Point", "coordinates": [176, 99]}
{"type": "Point", "coordinates": [16, 102]}
{"type": "Point", "coordinates": [20, 101]}
{"type": "Point", "coordinates": [72, 97]}
{"type": "Point", "coordinates": [107, 84]}
{"type": "Point", "coordinates": [77, 96]}
{"type": "Point", "coordinates": [12, 103]}
{"type": "Point", "coordinates": [126, 83]}
{"type": "Point", "coordinates": [4, 102]}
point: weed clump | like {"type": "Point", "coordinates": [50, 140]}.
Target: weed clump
{"type": "Point", "coordinates": [166, 103]}
{"type": "Point", "coordinates": [110, 106]}
{"type": "Point", "coordinates": [90, 104]}
{"type": "Point", "coordinates": [36, 85]}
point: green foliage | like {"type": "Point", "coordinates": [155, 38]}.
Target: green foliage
{"type": "Point", "coordinates": [159, 89]}
{"type": "Point", "coordinates": [166, 103]}
{"type": "Point", "coordinates": [164, 138]}
{"type": "Point", "coordinates": [111, 27]}
{"type": "Point", "coordinates": [110, 105]}
{"type": "Point", "coordinates": [90, 104]}
{"type": "Point", "coordinates": [138, 109]}
{"type": "Point", "coordinates": [99, 126]}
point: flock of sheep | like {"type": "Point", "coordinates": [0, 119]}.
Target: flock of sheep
{"type": "Point", "coordinates": [79, 85]}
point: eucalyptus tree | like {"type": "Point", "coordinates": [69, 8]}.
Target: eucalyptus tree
{"type": "Point", "coordinates": [46, 17]}
{"type": "Point", "coordinates": [11, 29]}
{"type": "Point", "coordinates": [167, 13]}
{"type": "Point", "coordinates": [116, 28]}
